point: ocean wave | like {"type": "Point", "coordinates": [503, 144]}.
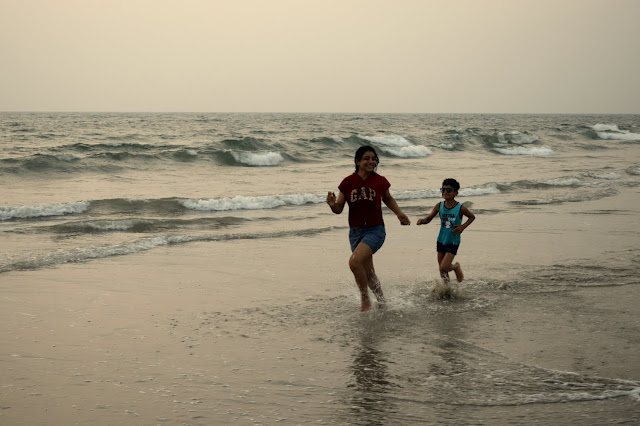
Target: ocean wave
{"type": "Point", "coordinates": [605, 176]}
{"type": "Point", "coordinates": [612, 132]}
{"type": "Point", "coordinates": [257, 158]}
{"type": "Point", "coordinates": [185, 154]}
{"type": "Point", "coordinates": [245, 144]}
{"type": "Point", "coordinates": [87, 253]}
{"type": "Point", "coordinates": [563, 181]}
{"type": "Point", "coordinates": [330, 141]}
{"type": "Point", "coordinates": [98, 226]}
{"type": "Point", "coordinates": [41, 163]}
{"type": "Point", "coordinates": [26, 212]}
{"type": "Point", "coordinates": [252, 203]}
{"type": "Point", "coordinates": [143, 225]}
{"type": "Point", "coordinates": [516, 138]}
{"type": "Point", "coordinates": [633, 171]}
{"type": "Point", "coordinates": [568, 198]}
{"type": "Point", "coordinates": [473, 191]}
{"type": "Point", "coordinates": [520, 150]}
{"type": "Point", "coordinates": [605, 127]}
{"type": "Point", "coordinates": [569, 181]}
{"type": "Point", "coordinates": [397, 146]}
{"type": "Point", "coordinates": [626, 136]}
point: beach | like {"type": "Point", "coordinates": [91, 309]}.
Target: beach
{"type": "Point", "coordinates": [273, 334]}
{"type": "Point", "coordinates": [150, 315]}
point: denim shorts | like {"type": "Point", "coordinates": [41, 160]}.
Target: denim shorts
{"type": "Point", "coordinates": [373, 236]}
{"type": "Point", "coordinates": [447, 248]}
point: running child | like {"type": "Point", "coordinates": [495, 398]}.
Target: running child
{"type": "Point", "coordinates": [451, 226]}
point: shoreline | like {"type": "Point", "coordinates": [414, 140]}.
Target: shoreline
{"type": "Point", "coordinates": [178, 334]}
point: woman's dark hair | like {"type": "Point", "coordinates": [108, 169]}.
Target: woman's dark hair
{"type": "Point", "coordinates": [360, 152]}
{"type": "Point", "coordinates": [452, 183]}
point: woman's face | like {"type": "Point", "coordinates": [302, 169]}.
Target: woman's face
{"type": "Point", "coordinates": [368, 162]}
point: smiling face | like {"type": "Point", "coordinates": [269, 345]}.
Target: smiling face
{"type": "Point", "coordinates": [368, 162]}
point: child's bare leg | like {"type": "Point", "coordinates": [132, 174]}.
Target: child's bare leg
{"type": "Point", "coordinates": [458, 270]}
{"type": "Point", "coordinates": [443, 263]}
{"type": "Point", "coordinates": [446, 265]}
{"type": "Point", "coordinates": [361, 257]}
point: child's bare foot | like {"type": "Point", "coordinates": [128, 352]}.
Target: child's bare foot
{"type": "Point", "coordinates": [458, 270]}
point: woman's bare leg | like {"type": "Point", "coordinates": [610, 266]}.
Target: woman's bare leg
{"type": "Point", "coordinates": [373, 282]}
{"type": "Point", "coordinates": [360, 259]}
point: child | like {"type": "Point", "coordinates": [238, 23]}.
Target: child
{"type": "Point", "coordinates": [365, 191]}
{"type": "Point", "coordinates": [451, 226]}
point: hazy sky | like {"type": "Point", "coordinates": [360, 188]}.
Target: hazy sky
{"type": "Point", "coordinates": [512, 56]}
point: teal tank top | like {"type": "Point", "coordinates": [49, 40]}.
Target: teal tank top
{"type": "Point", "coordinates": [448, 219]}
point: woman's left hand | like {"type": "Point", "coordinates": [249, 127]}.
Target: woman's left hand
{"type": "Point", "coordinates": [404, 220]}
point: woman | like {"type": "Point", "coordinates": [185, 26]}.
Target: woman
{"type": "Point", "coordinates": [363, 191]}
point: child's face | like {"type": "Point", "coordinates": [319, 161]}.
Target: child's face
{"type": "Point", "coordinates": [448, 192]}
{"type": "Point", "coordinates": [368, 162]}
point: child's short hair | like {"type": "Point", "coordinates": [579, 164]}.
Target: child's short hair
{"type": "Point", "coordinates": [452, 183]}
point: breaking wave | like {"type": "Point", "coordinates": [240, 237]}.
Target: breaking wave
{"type": "Point", "coordinates": [25, 212]}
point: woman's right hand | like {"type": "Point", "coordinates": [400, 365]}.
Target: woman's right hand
{"type": "Point", "coordinates": [331, 198]}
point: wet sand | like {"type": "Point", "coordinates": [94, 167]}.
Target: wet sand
{"type": "Point", "coordinates": [268, 331]}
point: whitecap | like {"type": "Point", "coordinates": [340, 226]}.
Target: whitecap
{"type": "Point", "coordinates": [387, 140]}
{"type": "Point", "coordinates": [257, 158]}
{"type": "Point", "coordinates": [606, 176]}
{"type": "Point", "coordinates": [414, 151]}
{"type": "Point", "coordinates": [252, 203]}
{"type": "Point", "coordinates": [490, 188]}
{"type": "Point", "coordinates": [622, 136]}
{"type": "Point", "coordinates": [605, 127]}
{"type": "Point", "coordinates": [24, 212]}
{"type": "Point", "coordinates": [612, 132]}
{"type": "Point", "coordinates": [516, 138]}
{"type": "Point", "coordinates": [564, 181]}
{"type": "Point", "coordinates": [520, 150]}
{"type": "Point", "coordinates": [398, 146]}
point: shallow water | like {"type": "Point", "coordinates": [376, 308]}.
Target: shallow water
{"type": "Point", "coordinates": [543, 329]}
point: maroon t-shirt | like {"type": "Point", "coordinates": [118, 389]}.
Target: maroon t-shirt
{"type": "Point", "coordinates": [364, 198]}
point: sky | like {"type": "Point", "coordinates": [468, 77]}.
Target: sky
{"type": "Point", "coordinates": [353, 56]}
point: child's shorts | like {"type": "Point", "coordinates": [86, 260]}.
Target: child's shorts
{"type": "Point", "coordinates": [373, 236]}
{"type": "Point", "coordinates": [447, 248]}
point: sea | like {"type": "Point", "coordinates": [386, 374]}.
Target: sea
{"type": "Point", "coordinates": [83, 187]}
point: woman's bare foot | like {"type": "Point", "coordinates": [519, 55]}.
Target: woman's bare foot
{"type": "Point", "coordinates": [458, 271]}
{"type": "Point", "coordinates": [366, 304]}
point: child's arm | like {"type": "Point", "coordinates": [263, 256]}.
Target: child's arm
{"type": "Point", "coordinates": [336, 205]}
{"type": "Point", "coordinates": [390, 202]}
{"type": "Point", "coordinates": [470, 218]}
{"type": "Point", "coordinates": [430, 217]}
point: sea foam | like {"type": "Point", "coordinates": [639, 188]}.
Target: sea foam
{"type": "Point", "coordinates": [257, 158]}
{"type": "Point", "coordinates": [24, 212]}
{"type": "Point", "coordinates": [612, 132]}
{"type": "Point", "coordinates": [398, 146]}
{"type": "Point", "coordinates": [517, 138]}
{"type": "Point", "coordinates": [252, 203]}
{"type": "Point", "coordinates": [520, 150]}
